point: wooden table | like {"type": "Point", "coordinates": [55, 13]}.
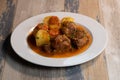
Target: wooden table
{"type": "Point", "coordinates": [104, 67]}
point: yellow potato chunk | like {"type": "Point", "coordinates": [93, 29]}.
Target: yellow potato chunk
{"type": "Point", "coordinates": [42, 37]}
{"type": "Point", "coordinates": [46, 20]}
{"type": "Point", "coordinates": [67, 19]}
{"type": "Point", "coordinates": [40, 26]}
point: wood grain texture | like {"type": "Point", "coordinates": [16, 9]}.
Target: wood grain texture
{"type": "Point", "coordinates": [75, 72]}
{"type": "Point", "coordinates": [36, 7]}
{"type": "Point", "coordinates": [23, 70]}
{"type": "Point", "coordinates": [104, 67]}
{"type": "Point", "coordinates": [111, 14]}
{"type": "Point", "coordinates": [71, 5]}
{"type": "Point", "coordinates": [96, 67]}
{"type": "Point", "coordinates": [7, 10]}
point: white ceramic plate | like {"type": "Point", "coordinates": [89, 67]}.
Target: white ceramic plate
{"type": "Point", "coordinates": [19, 43]}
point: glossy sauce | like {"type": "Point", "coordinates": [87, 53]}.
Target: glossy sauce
{"type": "Point", "coordinates": [32, 45]}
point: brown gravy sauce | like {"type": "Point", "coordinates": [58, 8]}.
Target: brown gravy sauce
{"type": "Point", "coordinates": [32, 45]}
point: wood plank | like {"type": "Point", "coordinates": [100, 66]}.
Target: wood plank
{"type": "Point", "coordinates": [17, 68]}
{"type": "Point", "coordinates": [75, 72]}
{"type": "Point", "coordinates": [37, 7]}
{"type": "Point", "coordinates": [111, 14]}
{"type": "Point", "coordinates": [89, 8]}
{"type": "Point", "coordinates": [3, 4]}
{"type": "Point", "coordinates": [7, 9]}
{"type": "Point", "coordinates": [71, 5]}
{"type": "Point", "coordinates": [21, 69]}
{"type": "Point", "coordinates": [88, 71]}
{"type": "Point", "coordinates": [96, 68]}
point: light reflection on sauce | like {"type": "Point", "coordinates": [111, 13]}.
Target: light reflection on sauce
{"type": "Point", "coordinates": [32, 45]}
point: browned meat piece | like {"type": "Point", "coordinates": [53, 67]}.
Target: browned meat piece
{"type": "Point", "coordinates": [78, 34]}
{"type": "Point", "coordinates": [79, 38]}
{"type": "Point", "coordinates": [78, 43]}
{"type": "Point", "coordinates": [47, 48]}
{"type": "Point", "coordinates": [68, 28]}
{"type": "Point", "coordinates": [61, 44]}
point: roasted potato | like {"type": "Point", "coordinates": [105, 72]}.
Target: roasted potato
{"type": "Point", "coordinates": [67, 19]}
{"type": "Point", "coordinates": [40, 26]}
{"type": "Point", "coordinates": [46, 20]}
{"type": "Point", "coordinates": [54, 20]}
{"type": "Point", "coordinates": [42, 37]}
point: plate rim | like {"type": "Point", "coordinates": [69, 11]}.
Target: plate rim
{"type": "Point", "coordinates": [51, 65]}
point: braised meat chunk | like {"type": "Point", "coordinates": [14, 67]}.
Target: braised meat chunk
{"type": "Point", "coordinates": [79, 39]}
{"type": "Point", "coordinates": [79, 42]}
{"type": "Point", "coordinates": [68, 28]}
{"type": "Point", "coordinates": [61, 44]}
{"type": "Point", "coordinates": [76, 35]}
{"type": "Point", "coordinates": [47, 48]}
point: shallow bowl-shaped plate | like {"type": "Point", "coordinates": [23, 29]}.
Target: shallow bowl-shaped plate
{"type": "Point", "coordinates": [20, 46]}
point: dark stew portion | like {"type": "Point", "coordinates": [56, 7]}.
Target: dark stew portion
{"type": "Point", "coordinates": [59, 39]}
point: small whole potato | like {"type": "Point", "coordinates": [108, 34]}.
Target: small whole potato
{"type": "Point", "coordinates": [42, 37]}
{"type": "Point", "coordinates": [40, 26]}
{"type": "Point", "coordinates": [54, 20]}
